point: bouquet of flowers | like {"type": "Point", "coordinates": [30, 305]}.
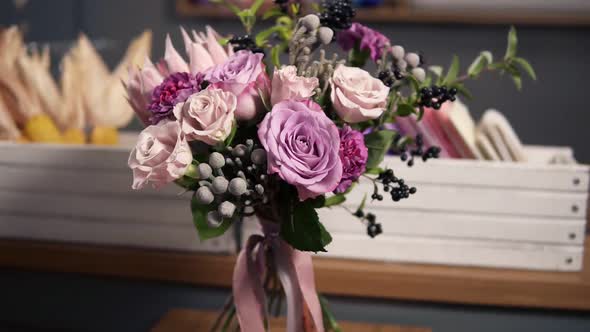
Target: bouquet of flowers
{"type": "Point", "coordinates": [247, 134]}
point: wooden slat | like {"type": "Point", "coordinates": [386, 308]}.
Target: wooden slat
{"type": "Point", "coordinates": [186, 320]}
{"type": "Point", "coordinates": [406, 14]}
{"type": "Point", "coordinates": [479, 286]}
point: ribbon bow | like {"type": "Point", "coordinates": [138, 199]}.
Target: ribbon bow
{"type": "Point", "coordinates": [295, 271]}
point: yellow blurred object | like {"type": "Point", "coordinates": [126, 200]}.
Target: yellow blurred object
{"type": "Point", "coordinates": [104, 136]}
{"type": "Point", "coordinates": [74, 136]}
{"type": "Point", "coordinates": [40, 128]}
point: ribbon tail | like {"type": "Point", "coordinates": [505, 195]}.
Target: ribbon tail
{"type": "Point", "coordinates": [304, 269]}
{"type": "Point", "coordinates": [287, 275]}
{"type": "Point", "coordinates": [247, 289]}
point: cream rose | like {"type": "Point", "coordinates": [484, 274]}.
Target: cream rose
{"type": "Point", "coordinates": [161, 155]}
{"type": "Point", "coordinates": [356, 95]}
{"type": "Point", "coordinates": [287, 85]}
{"type": "Point", "coordinates": [207, 116]}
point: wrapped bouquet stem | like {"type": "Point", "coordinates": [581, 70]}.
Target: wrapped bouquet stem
{"type": "Point", "coordinates": [246, 135]}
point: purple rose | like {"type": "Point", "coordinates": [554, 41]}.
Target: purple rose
{"type": "Point", "coordinates": [175, 89]}
{"type": "Point", "coordinates": [367, 39]}
{"type": "Point", "coordinates": [302, 147]}
{"type": "Point", "coordinates": [243, 75]}
{"type": "Point", "coordinates": [354, 155]}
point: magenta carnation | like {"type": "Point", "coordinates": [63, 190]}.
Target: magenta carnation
{"type": "Point", "coordinates": [354, 155]}
{"type": "Point", "coordinates": [175, 89]}
{"type": "Point", "coordinates": [302, 148]}
{"type": "Point", "coordinates": [366, 38]}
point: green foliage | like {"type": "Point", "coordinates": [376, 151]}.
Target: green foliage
{"type": "Point", "coordinates": [363, 203]}
{"type": "Point", "coordinates": [303, 230]}
{"type": "Point", "coordinates": [453, 71]}
{"type": "Point", "coordinates": [526, 66]}
{"type": "Point", "coordinates": [200, 220]}
{"type": "Point", "coordinates": [404, 110]}
{"type": "Point", "coordinates": [378, 143]}
{"type": "Point", "coordinates": [512, 44]}
{"type": "Point", "coordinates": [335, 200]}
{"type": "Point", "coordinates": [330, 323]}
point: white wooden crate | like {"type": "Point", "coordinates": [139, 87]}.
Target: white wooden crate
{"type": "Point", "coordinates": [83, 194]}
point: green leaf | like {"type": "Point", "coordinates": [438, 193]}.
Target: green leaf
{"type": "Point", "coordinates": [526, 66]}
{"type": "Point", "coordinates": [512, 44]}
{"type": "Point", "coordinates": [515, 75]}
{"type": "Point", "coordinates": [436, 70]}
{"type": "Point", "coordinates": [330, 323]}
{"type": "Point", "coordinates": [256, 6]}
{"type": "Point", "coordinates": [262, 37]}
{"type": "Point", "coordinates": [200, 221]}
{"type": "Point", "coordinates": [363, 203]}
{"type": "Point", "coordinates": [273, 12]}
{"type": "Point", "coordinates": [477, 66]}
{"type": "Point", "coordinates": [229, 140]}
{"type": "Point", "coordinates": [453, 71]}
{"type": "Point", "coordinates": [420, 113]}
{"type": "Point", "coordinates": [275, 54]}
{"type": "Point", "coordinates": [374, 171]}
{"type": "Point", "coordinates": [378, 143]}
{"type": "Point", "coordinates": [303, 231]}
{"type": "Point", "coordinates": [335, 200]}
{"type": "Point", "coordinates": [404, 110]}
{"type": "Point", "coordinates": [463, 91]}
{"type": "Point", "coordinates": [488, 56]}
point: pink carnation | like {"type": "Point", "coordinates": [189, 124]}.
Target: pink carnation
{"type": "Point", "coordinates": [367, 39]}
{"type": "Point", "coordinates": [354, 155]}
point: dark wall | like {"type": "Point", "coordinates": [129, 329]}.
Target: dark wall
{"type": "Point", "coordinates": [551, 111]}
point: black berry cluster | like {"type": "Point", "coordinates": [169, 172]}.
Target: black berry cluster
{"type": "Point", "coordinates": [373, 228]}
{"type": "Point", "coordinates": [408, 152]}
{"type": "Point", "coordinates": [245, 43]}
{"type": "Point", "coordinates": [337, 14]}
{"type": "Point", "coordinates": [396, 187]}
{"type": "Point", "coordinates": [436, 96]}
{"type": "Point", "coordinates": [389, 76]}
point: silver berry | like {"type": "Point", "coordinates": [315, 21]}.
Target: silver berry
{"type": "Point", "coordinates": [402, 64]}
{"type": "Point", "coordinates": [219, 185]}
{"type": "Point", "coordinates": [419, 74]}
{"type": "Point", "coordinates": [258, 156]}
{"type": "Point", "coordinates": [259, 189]}
{"type": "Point", "coordinates": [238, 186]}
{"type": "Point", "coordinates": [226, 209]}
{"type": "Point", "coordinates": [239, 150]}
{"type": "Point", "coordinates": [310, 22]}
{"type": "Point", "coordinates": [413, 60]}
{"type": "Point", "coordinates": [205, 171]}
{"type": "Point", "coordinates": [204, 196]}
{"type": "Point", "coordinates": [216, 160]}
{"type": "Point", "coordinates": [214, 219]}
{"type": "Point", "coordinates": [325, 35]}
{"type": "Point", "coordinates": [398, 52]}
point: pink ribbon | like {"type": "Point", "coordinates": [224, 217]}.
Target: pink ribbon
{"type": "Point", "coordinates": [295, 272]}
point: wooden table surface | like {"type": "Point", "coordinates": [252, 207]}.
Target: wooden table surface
{"type": "Point", "coordinates": [462, 285]}
{"type": "Point", "coordinates": [187, 320]}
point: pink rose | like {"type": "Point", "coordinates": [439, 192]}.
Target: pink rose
{"type": "Point", "coordinates": [161, 155]}
{"type": "Point", "coordinates": [356, 95]}
{"type": "Point", "coordinates": [242, 74]}
{"type": "Point", "coordinates": [207, 116]}
{"type": "Point", "coordinates": [302, 147]}
{"type": "Point", "coordinates": [287, 85]}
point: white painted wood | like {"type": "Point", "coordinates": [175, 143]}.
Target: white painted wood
{"type": "Point", "coordinates": [456, 252]}
{"type": "Point", "coordinates": [483, 200]}
{"type": "Point", "coordinates": [160, 236]}
{"type": "Point", "coordinates": [400, 222]}
{"type": "Point", "coordinates": [108, 208]}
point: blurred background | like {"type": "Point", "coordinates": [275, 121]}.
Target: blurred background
{"type": "Point", "coordinates": [553, 35]}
